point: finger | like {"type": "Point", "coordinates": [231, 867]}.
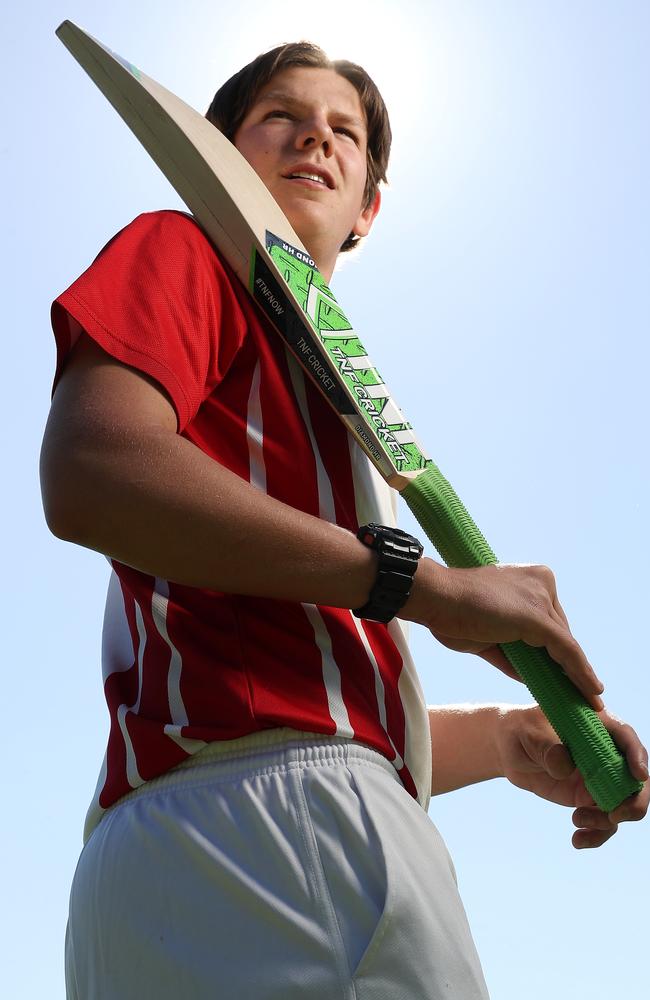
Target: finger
{"type": "Point", "coordinates": [554, 633]}
{"type": "Point", "coordinates": [582, 796]}
{"type": "Point", "coordinates": [594, 828]}
{"type": "Point", "coordinates": [560, 610]}
{"type": "Point", "coordinates": [629, 744]}
{"type": "Point", "coordinates": [497, 658]}
{"type": "Point", "coordinates": [592, 819]}
{"type": "Point", "coordinates": [585, 839]}
{"type": "Point", "coordinates": [633, 809]}
{"type": "Point", "coordinates": [564, 649]}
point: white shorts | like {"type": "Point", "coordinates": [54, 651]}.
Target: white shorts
{"type": "Point", "coordinates": [282, 866]}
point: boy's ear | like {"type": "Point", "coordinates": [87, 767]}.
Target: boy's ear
{"type": "Point", "coordinates": [367, 216]}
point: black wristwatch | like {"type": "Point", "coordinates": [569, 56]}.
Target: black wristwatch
{"type": "Point", "coordinates": [398, 559]}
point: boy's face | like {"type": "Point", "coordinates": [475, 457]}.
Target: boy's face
{"type": "Point", "coordinates": [310, 121]}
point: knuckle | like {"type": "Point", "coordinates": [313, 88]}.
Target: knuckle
{"type": "Point", "coordinates": [565, 646]}
{"type": "Point", "coordinates": [546, 574]}
{"type": "Point", "coordinates": [633, 812]}
{"type": "Point", "coordinates": [638, 811]}
{"type": "Point", "coordinates": [630, 732]}
{"type": "Point", "coordinates": [567, 640]}
{"type": "Point", "coordinates": [625, 735]}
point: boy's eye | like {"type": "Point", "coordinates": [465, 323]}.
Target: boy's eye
{"type": "Point", "coordinates": [281, 113]}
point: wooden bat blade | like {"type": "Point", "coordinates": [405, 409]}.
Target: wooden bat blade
{"type": "Point", "coordinates": [244, 222]}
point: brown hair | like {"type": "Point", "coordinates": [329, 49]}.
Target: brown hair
{"type": "Point", "coordinates": [233, 100]}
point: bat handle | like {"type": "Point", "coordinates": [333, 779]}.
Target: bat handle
{"type": "Point", "coordinates": [441, 514]}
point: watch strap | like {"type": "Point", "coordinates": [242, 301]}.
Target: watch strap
{"type": "Point", "coordinates": [398, 554]}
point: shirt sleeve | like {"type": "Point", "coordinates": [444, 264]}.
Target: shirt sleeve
{"type": "Point", "coordinates": [159, 299]}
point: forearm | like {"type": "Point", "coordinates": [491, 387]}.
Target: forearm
{"type": "Point", "coordinates": [161, 505]}
{"type": "Point", "coordinates": [117, 478]}
{"type": "Point", "coordinates": [463, 745]}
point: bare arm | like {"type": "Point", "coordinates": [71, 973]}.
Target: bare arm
{"type": "Point", "coordinates": [471, 743]}
{"type": "Point", "coordinates": [116, 477]}
{"type": "Point", "coordinates": [463, 745]}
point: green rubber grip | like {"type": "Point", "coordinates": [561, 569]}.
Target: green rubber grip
{"type": "Point", "coordinates": [450, 528]}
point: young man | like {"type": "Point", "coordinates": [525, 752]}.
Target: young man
{"type": "Point", "coordinates": [260, 825]}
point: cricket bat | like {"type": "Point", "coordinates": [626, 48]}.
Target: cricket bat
{"type": "Point", "coordinates": [240, 217]}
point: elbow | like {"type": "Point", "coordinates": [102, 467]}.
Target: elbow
{"type": "Point", "coordinates": [56, 506]}
{"type": "Point", "coordinates": [57, 517]}
{"type": "Point", "coordinates": [60, 495]}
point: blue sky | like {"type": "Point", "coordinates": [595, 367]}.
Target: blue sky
{"type": "Point", "coordinates": [504, 293]}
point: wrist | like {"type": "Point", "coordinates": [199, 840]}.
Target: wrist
{"type": "Point", "coordinates": [398, 554]}
{"type": "Point", "coordinates": [507, 732]}
{"type": "Point", "coordinates": [430, 587]}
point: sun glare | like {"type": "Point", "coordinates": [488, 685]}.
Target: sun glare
{"type": "Point", "coordinates": [385, 37]}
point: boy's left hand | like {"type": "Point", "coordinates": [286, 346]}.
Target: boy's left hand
{"type": "Point", "coordinates": [533, 758]}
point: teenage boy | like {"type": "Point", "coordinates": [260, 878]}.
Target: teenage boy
{"type": "Point", "coordinates": [260, 827]}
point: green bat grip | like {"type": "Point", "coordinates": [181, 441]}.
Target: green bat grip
{"type": "Point", "coordinates": [450, 528]}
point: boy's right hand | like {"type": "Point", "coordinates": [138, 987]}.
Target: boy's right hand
{"type": "Point", "coordinates": [475, 610]}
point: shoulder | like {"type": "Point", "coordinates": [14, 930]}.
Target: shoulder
{"type": "Point", "coordinates": [167, 248]}
{"type": "Point", "coordinates": [163, 228]}
{"type": "Point", "coordinates": [168, 222]}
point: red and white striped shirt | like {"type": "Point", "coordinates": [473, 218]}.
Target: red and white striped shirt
{"type": "Point", "coordinates": [184, 666]}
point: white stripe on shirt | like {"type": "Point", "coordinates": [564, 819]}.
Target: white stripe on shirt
{"type": "Point", "coordinates": [331, 673]}
{"type": "Point", "coordinates": [132, 773]}
{"type": "Point", "coordinates": [255, 433]}
{"type": "Point", "coordinates": [177, 711]}
{"type": "Point", "coordinates": [380, 692]}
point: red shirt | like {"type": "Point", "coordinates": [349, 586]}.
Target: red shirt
{"type": "Point", "coordinates": [184, 666]}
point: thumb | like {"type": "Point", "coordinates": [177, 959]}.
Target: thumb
{"type": "Point", "coordinates": [556, 760]}
{"type": "Point", "coordinates": [543, 746]}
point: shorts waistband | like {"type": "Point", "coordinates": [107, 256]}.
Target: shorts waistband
{"type": "Point", "coordinates": [259, 752]}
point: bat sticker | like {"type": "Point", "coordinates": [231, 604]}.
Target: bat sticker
{"type": "Point", "coordinates": [343, 349]}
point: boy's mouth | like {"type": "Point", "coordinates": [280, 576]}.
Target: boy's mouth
{"type": "Point", "coordinates": [311, 174]}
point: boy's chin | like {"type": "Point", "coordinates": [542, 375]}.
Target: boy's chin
{"type": "Point", "coordinates": [312, 224]}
